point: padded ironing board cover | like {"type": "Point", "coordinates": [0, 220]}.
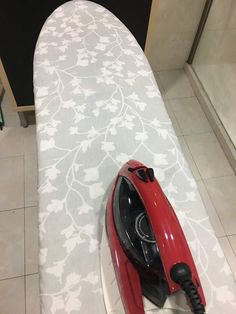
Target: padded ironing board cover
{"type": "Point", "coordinates": [97, 106]}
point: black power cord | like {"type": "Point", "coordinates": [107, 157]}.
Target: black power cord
{"type": "Point", "coordinates": [181, 274]}
{"type": "Point", "coordinates": [191, 292]}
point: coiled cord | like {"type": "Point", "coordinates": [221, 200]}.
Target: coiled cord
{"type": "Point", "coordinates": [181, 274]}
{"type": "Point", "coordinates": [194, 298]}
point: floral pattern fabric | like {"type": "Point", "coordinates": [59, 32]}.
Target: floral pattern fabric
{"type": "Point", "coordinates": [97, 106]}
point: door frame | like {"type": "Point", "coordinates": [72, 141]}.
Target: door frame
{"type": "Point", "coordinates": [151, 27]}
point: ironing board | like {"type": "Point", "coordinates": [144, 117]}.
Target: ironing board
{"type": "Point", "coordinates": [97, 106]}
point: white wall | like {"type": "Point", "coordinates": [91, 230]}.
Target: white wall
{"type": "Point", "coordinates": [173, 32]}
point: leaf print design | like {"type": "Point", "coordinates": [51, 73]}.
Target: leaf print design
{"type": "Point", "coordinates": [91, 174]}
{"type": "Point", "coordinates": [47, 144]}
{"type": "Point", "coordinates": [97, 106]}
{"type": "Point", "coordinates": [108, 146]}
{"type": "Point", "coordinates": [96, 190]}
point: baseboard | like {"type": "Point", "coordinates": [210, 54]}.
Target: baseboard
{"type": "Point", "coordinates": [217, 126]}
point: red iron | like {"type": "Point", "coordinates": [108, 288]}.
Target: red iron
{"type": "Point", "coordinates": [150, 254]}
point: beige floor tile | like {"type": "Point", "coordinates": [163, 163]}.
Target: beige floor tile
{"type": "Point", "coordinates": [208, 155]}
{"type": "Point", "coordinates": [12, 296]}
{"type": "Point", "coordinates": [176, 84]}
{"type": "Point", "coordinates": [11, 183]}
{"type": "Point", "coordinates": [6, 108]}
{"type": "Point", "coordinates": [11, 142]}
{"type": "Point", "coordinates": [189, 158]}
{"type": "Point", "coordinates": [12, 243]}
{"type": "Point", "coordinates": [31, 178]}
{"type": "Point", "coordinates": [29, 140]}
{"type": "Point", "coordinates": [232, 240]}
{"type": "Point", "coordinates": [159, 84]}
{"type": "Point", "coordinates": [31, 240]}
{"type": "Point", "coordinates": [32, 294]}
{"type": "Point", "coordinates": [190, 116]}
{"type": "Point", "coordinates": [222, 192]}
{"type": "Point", "coordinates": [211, 211]}
{"type": "Point", "coordinates": [11, 120]}
{"type": "Point", "coordinates": [173, 119]}
{"type": "Point", "coordinates": [229, 255]}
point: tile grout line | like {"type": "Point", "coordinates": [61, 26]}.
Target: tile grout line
{"type": "Point", "coordinates": [193, 97]}
{"type": "Point", "coordinates": [228, 259]}
{"type": "Point", "coordinates": [194, 162]}
{"type": "Point", "coordinates": [187, 160]}
{"type": "Point", "coordinates": [20, 276]}
{"type": "Point", "coordinates": [172, 111]}
{"type": "Point", "coordinates": [227, 237]}
{"type": "Point", "coordinates": [176, 121]}
{"type": "Point", "coordinates": [188, 97]}
{"type": "Point", "coordinates": [10, 278]}
{"type": "Point", "coordinates": [180, 97]}
{"type": "Point", "coordinates": [231, 246]}
{"type": "Point", "coordinates": [208, 132]}
{"type": "Point", "coordinates": [214, 208]}
{"type": "Point", "coordinates": [176, 97]}
{"type": "Point", "coordinates": [212, 177]}
{"type": "Point", "coordinates": [159, 84]}
{"type": "Point", "coordinates": [31, 206]}
{"type": "Point", "coordinates": [169, 70]}
{"type": "Point", "coordinates": [198, 133]}
{"type": "Point", "coordinates": [230, 235]}
{"type": "Point", "coordinates": [11, 156]}
{"type": "Point", "coordinates": [221, 237]}
{"type": "Point", "coordinates": [217, 177]}
{"type": "Point", "coordinates": [11, 209]}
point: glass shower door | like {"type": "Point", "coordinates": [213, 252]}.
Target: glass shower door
{"type": "Point", "coordinates": [214, 62]}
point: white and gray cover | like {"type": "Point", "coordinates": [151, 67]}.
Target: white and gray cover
{"type": "Point", "coordinates": [97, 106]}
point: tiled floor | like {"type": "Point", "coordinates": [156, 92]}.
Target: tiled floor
{"type": "Point", "coordinates": [212, 171]}
{"type": "Point", "coordinates": [19, 292]}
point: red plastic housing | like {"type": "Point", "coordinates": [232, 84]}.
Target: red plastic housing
{"type": "Point", "coordinates": [168, 233]}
